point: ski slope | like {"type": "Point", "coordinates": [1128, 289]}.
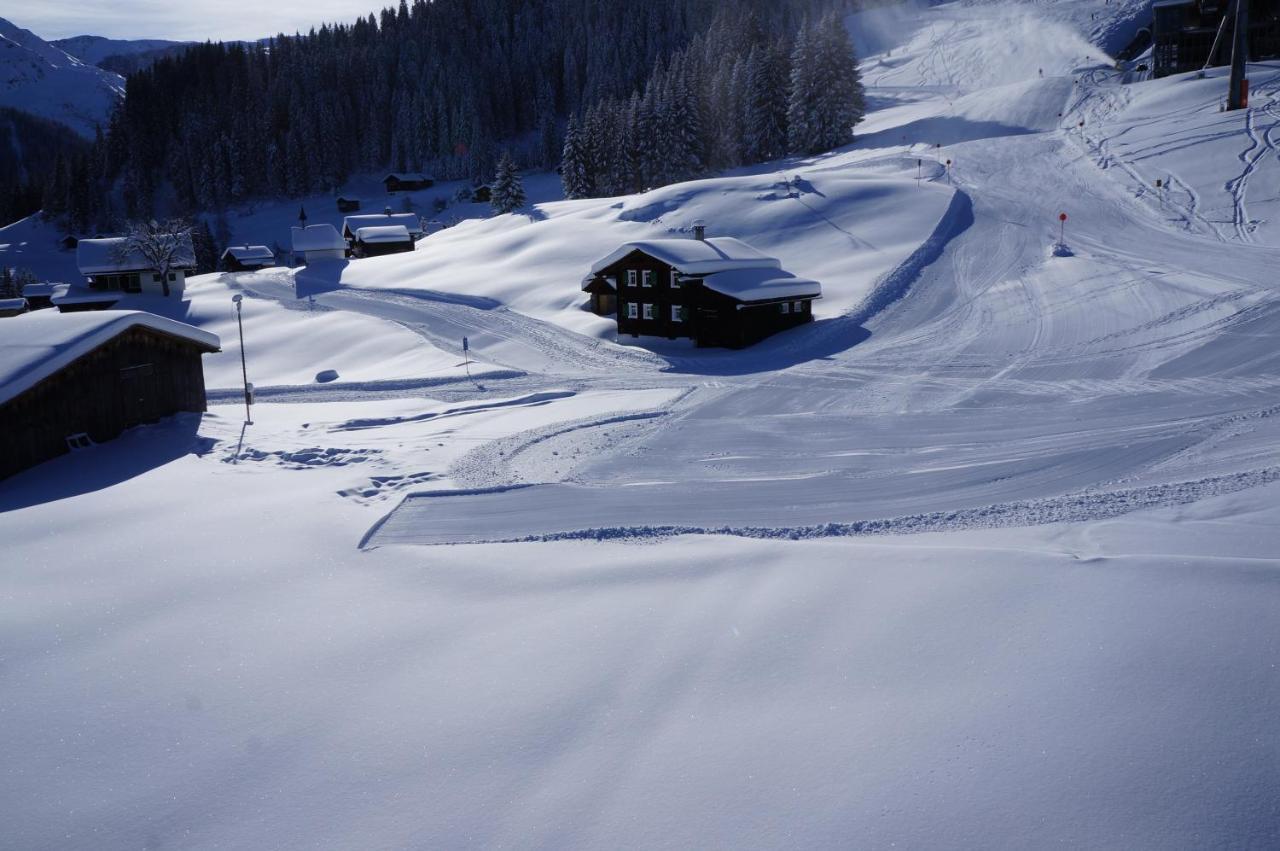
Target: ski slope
{"type": "Point", "coordinates": [985, 556]}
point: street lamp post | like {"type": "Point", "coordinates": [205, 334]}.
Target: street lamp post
{"type": "Point", "coordinates": [244, 370]}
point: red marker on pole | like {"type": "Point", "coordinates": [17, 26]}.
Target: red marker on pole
{"type": "Point", "coordinates": [1062, 228]}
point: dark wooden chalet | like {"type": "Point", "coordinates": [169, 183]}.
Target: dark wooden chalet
{"type": "Point", "coordinates": [348, 205]}
{"type": "Point", "coordinates": [409, 221]}
{"type": "Point", "coordinates": [38, 296]}
{"type": "Point", "coordinates": [407, 182]}
{"type": "Point", "coordinates": [12, 307]}
{"type": "Point", "coordinates": [379, 240]}
{"type": "Point", "coordinates": [717, 292]}
{"type": "Point", "coordinates": [69, 380]}
{"type": "Point", "coordinates": [248, 258]}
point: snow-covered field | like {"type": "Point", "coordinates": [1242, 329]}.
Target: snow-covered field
{"type": "Point", "coordinates": [987, 556]}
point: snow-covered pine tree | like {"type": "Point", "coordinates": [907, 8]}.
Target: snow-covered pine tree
{"type": "Point", "coordinates": [826, 97]}
{"type": "Point", "coordinates": [802, 95]}
{"type": "Point", "coordinates": [766, 104]}
{"type": "Point", "coordinates": [573, 162]}
{"type": "Point", "coordinates": [507, 190]}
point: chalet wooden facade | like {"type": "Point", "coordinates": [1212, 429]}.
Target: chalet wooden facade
{"type": "Point", "coordinates": [716, 292]}
{"type": "Point", "coordinates": [348, 205]}
{"type": "Point", "coordinates": [407, 182]}
{"type": "Point", "coordinates": [248, 258]}
{"type": "Point", "coordinates": [66, 381]}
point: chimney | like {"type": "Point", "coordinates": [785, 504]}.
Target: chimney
{"type": "Point", "coordinates": [700, 230]}
{"type": "Point", "coordinates": [387, 211]}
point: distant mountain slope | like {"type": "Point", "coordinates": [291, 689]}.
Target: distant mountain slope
{"type": "Point", "coordinates": [119, 56]}
{"type": "Point", "coordinates": [92, 49]}
{"type": "Point", "coordinates": [41, 79]}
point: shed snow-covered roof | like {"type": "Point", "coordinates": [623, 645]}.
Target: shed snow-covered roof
{"type": "Point", "coordinates": [409, 221]}
{"type": "Point", "coordinates": [37, 290]}
{"type": "Point", "coordinates": [251, 254]}
{"type": "Point", "coordinates": [761, 285]}
{"type": "Point", "coordinates": [695, 256]}
{"type": "Point", "coordinates": [13, 303]}
{"type": "Point", "coordinates": [318, 238]}
{"type": "Point", "coordinates": [67, 294]}
{"type": "Point", "coordinates": [407, 177]}
{"type": "Point", "coordinates": [103, 256]}
{"type": "Point", "coordinates": [384, 233]}
{"type": "Point", "coordinates": [36, 345]}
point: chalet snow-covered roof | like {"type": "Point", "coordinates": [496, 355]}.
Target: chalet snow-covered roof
{"type": "Point", "coordinates": [68, 294]}
{"type": "Point", "coordinates": [104, 256]}
{"type": "Point", "coordinates": [44, 288]}
{"type": "Point", "coordinates": [695, 256]}
{"type": "Point", "coordinates": [323, 237]}
{"type": "Point", "coordinates": [409, 221]}
{"type": "Point", "coordinates": [384, 233]}
{"type": "Point", "coordinates": [408, 177]}
{"type": "Point", "coordinates": [761, 285]}
{"type": "Point", "coordinates": [250, 254]}
{"type": "Point", "coordinates": [13, 303]}
{"type": "Point", "coordinates": [36, 345]}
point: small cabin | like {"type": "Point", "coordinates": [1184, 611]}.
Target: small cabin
{"type": "Point", "coordinates": [716, 292]}
{"type": "Point", "coordinates": [317, 242]}
{"type": "Point", "coordinates": [407, 182]}
{"type": "Point", "coordinates": [481, 194]}
{"type": "Point", "coordinates": [112, 265]}
{"type": "Point", "coordinates": [381, 239]}
{"type": "Point", "coordinates": [69, 381]}
{"type": "Point", "coordinates": [409, 221]}
{"type": "Point", "coordinates": [68, 242]}
{"type": "Point", "coordinates": [248, 258]}
{"type": "Point", "coordinates": [348, 205]}
{"type": "Point", "coordinates": [79, 299]}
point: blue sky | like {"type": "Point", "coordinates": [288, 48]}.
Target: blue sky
{"type": "Point", "coordinates": [195, 20]}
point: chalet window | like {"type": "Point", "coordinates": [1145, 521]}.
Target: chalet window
{"type": "Point", "coordinates": [633, 311]}
{"type": "Point", "coordinates": [173, 276]}
{"type": "Point", "coordinates": [677, 313]}
{"type": "Point", "coordinates": [649, 312]}
{"type": "Point", "coordinates": [797, 307]}
{"type": "Point", "coordinates": [646, 278]}
{"type": "Point", "coordinates": [132, 283]}
{"type": "Point", "coordinates": [155, 276]}
{"type": "Point", "coordinates": [631, 277]}
{"type": "Point", "coordinates": [785, 307]}
{"type": "Point", "coordinates": [675, 280]}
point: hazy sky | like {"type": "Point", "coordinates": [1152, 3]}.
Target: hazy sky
{"type": "Point", "coordinates": [194, 20]}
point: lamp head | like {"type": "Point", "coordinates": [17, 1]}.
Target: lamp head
{"type": "Point", "coordinates": [237, 298]}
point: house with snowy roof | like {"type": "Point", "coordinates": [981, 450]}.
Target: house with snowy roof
{"type": "Point", "coordinates": [407, 181]}
{"type": "Point", "coordinates": [715, 291]}
{"type": "Point", "coordinates": [381, 239]}
{"type": "Point", "coordinates": [317, 242]}
{"type": "Point", "coordinates": [247, 258]}
{"type": "Point", "coordinates": [113, 265]}
{"type": "Point", "coordinates": [409, 221]}
{"type": "Point", "coordinates": [70, 380]}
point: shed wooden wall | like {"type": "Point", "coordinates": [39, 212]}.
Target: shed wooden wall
{"type": "Point", "coordinates": [137, 377]}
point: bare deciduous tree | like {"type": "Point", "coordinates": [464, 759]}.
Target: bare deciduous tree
{"type": "Point", "coordinates": [164, 245]}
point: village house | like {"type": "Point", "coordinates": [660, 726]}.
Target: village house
{"type": "Point", "coordinates": [317, 242]}
{"type": "Point", "coordinates": [38, 296]}
{"type": "Point", "coordinates": [110, 265]}
{"type": "Point", "coordinates": [348, 205]}
{"type": "Point", "coordinates": [716, 292]}
{"type": "Point", "coordinates": [409, 221]}
{"type": "Point", "coordinates": [407, 182]}
{"type": "Point", "coordinates": [73, 299]}
{"type": "Point", "coordinates": [382, 239]}
{"type": "Point", "coordinates": [67, 382]}
{"type": "Point", "coordinates": [247, 258]}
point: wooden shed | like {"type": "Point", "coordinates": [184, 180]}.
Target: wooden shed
{"type": "Point", "coordinates": [407, 182]}
{"type": "Point", "coordinates": [69, 380]}
{"type": "Point", "coordinates": [247, 258]}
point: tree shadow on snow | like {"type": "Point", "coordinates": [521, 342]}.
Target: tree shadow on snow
{"type": "Point", "coordinates": [138, 450]}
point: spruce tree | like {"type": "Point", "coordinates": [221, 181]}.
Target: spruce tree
{"type": "Point", "coordinates": [573, 163]}
{"type": "Point", "coordinates": [507, 190]}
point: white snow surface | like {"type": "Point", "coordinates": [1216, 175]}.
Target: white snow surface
{"type": "Point", "coordinates": [985, 556]}
{"type": "Point", "coordinates": [35, 345]}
